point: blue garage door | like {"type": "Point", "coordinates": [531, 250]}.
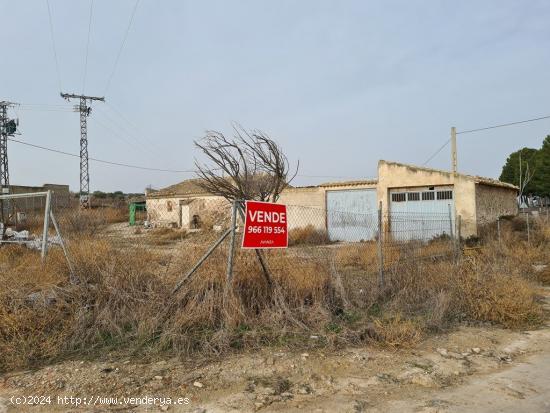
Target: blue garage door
{"type": "Point", "coordinates": [421, 213]}
{"type": "Point", "coordinates": [352, 215]}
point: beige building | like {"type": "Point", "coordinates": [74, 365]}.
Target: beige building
{"type": "Point", "coordinates": [416, 202]}
{"type": "Point", "coordinates": [185, 205]}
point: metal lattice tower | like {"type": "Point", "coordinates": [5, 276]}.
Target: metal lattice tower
{"type": "Point", "coordinates": [4, 171]}
{"type": "Point", "coordinates": [85, 111]}
{"type": "Point", "coordinates": [7, 128]}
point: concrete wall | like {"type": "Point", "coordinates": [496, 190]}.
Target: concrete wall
{"type": "Point", "coordinates": [394, 175]}
{"type": "Point", "coordinates": [305, 206]}
{"type": "Point", "coordinates": [494, 202]}
{"type": "Point", "coordinates": [61, 196]}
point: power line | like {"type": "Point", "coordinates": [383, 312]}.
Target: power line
{"type": "Point", "coordinates": [87, 46]}
{"type": "Point", "coordinates": [34, 109]}
{"type": "Point", "coordinates": [122, 46]}
{"type": "Point", "coordinates": [74, 155]}
{"type": "Point", "coordinates": [502, 125]}
{"type": "Point", "coordinates": [130, 123]}
{"type": "Point", "coordinates": [505, 124]}
{"type": "Point", "coordinates": [121, 137]}
{"type": "Point", "coordinates": [46, 105]}
{"type": "Point", "coordinates": [127, 132]}
{"type": "Point", "coordinates": [437, 152]}
{"type": "Point", "coordinates": [53, 45]}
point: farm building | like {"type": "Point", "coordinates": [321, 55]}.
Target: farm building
{"type": "Point", "coordinates": [414, 200]}
{"type": "Point", "coordinates": [184, 205]}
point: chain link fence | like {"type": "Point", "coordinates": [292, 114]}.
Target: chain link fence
{"type": "Point", "coordinates": [359, 251]}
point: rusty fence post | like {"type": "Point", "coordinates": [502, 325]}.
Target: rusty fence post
{"type": "Point", "coordinates": [231, 251]}
{"type": "Point", "coordinates": [380, 250]}
{"type": "Point", "coordinates": [528, 229]}
{"type": "Point", "coordinates": [458, 236]}
{"type": "Point", "coordinates": [46, 226]}
{"type": "Point", "coordinates": [498, 230]}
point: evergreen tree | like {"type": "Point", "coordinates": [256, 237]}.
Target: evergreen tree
{"type": "Point", "coordinates": [541, 180]}
{"type": "Point", "coordinates": [511, 169]}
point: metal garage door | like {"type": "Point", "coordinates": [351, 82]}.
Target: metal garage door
{"type": "Point", "coordinates": [352, 215]}
{"type": "Point", "coordinates": [421, 213]}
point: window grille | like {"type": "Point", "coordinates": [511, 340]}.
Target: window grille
{"type": "Point", "coordinates": [398, 197]}
{"type": "Point", "coordinates": [428, 196]}
{"type": "Point", "coordinates": [444, 194]}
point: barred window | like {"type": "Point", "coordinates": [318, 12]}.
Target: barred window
{"type": "Point", "coordinates": [444, 194]}
{"type": "Point", "coordinates": [399, 197]}
{"type": "Point", "coordinates": [413, 196]}
{"type": "Point", "coordinates": [428, 196]}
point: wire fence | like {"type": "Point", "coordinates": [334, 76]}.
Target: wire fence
{"type": "Point", "coordinates": [358, 250]}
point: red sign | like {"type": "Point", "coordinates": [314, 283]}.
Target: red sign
{"type": "Point", "coordinates": [265, 225]}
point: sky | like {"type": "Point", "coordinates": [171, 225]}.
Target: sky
{"type": "Point", "coordinates": [338, 84]}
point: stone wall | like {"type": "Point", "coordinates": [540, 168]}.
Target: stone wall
{"type": "Point", "coordinates": [494, 202]}
{"type": "Point", "coordinates": [180, 211]}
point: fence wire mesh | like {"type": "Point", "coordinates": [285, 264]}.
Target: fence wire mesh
{"type": "Point", "coordinates": [352, 248]}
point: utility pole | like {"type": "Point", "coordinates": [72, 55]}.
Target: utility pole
{"type": "Point", "coordinates": [453, 181]}
{"type": "Point", "coordinates": [7, 128]}
{"type": "Point", "coordinates": [453, 151]}
{"type": "Point", "coordinates": [85, 111]}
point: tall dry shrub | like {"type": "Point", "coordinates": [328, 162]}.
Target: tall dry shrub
{"type": "Point", "coordinates": [122, 301]}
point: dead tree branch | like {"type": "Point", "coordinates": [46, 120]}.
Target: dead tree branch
{"type": "Point", "coordinates": [250, 165]}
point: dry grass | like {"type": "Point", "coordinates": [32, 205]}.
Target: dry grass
{"type": "Point", "coordinates": [308, 235]}
{"type": "Point", "coordinates": [165, 236]}
{"type": "Point", "coordinates": [123, 302]}
{"type": "Point", "coordinates": [77, 221]}
{"type": "Point", "coordinates": [397, 331]}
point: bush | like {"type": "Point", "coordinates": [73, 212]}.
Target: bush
{"type": "Point", "coordinates": [308, 235]}
{"type": "Point", "coordinates": [123, 299]}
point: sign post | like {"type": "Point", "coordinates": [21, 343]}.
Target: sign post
{"type": "Point", "coordinates": [265, 225]}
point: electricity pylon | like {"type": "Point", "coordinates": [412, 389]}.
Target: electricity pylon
{"type": "Point", "coordinates": [8, 127]}
{"type": "Point", "coordinates": [85, 111]}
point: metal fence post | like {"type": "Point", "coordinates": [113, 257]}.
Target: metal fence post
{"type": "Point", "coordinates": [232, 243]}
{"type": "Point", "coordinates": [458, 235]}
{"type": "Point", "coordinates": [46, 225]}
{"type": "Point", "coordinates": [451, 220]}
{"type": "Point", "coordinates": [200, 262]}
{"type": "Point", "coordinates": [498, 229]}
{"type": "Point", "coordinates": [380, 250]}
{"type": "Point", "coordinates": [63, 247]}
{"type": "Point", "coordinates": [528, 230]}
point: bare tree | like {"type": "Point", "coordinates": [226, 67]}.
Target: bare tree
{"type": "Point", "coordinates": [249, 165]}
{"type": "Point", "coordinates": [524, 178]}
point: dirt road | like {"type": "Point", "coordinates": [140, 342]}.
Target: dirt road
{"type": "Point", "coordinates": [473, 369]}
